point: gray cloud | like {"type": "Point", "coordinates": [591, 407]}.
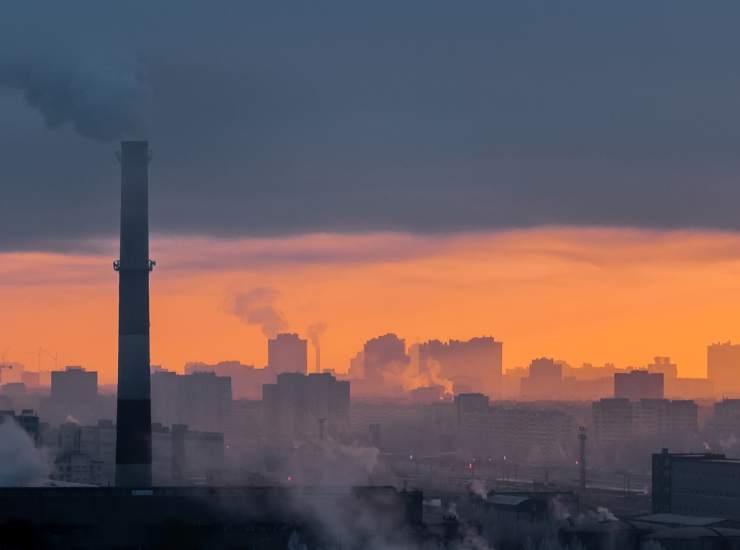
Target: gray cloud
{"type": "Point", "coordinates": [424, 116]}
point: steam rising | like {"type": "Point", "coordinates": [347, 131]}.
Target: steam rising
{"type": "Point", "coordinates": [314, 333]}
{"type": "Point", "coordinates": [101, 101]}
{"type": "Point", "coordinates": [257, 307]}
{"type": "Point", "coordinates": [21, 464]}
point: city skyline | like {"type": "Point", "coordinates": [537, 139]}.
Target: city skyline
{"type": "Point", "coordinates": [561, 292]}
{"type": "Point", "coordinates": [429, 275]}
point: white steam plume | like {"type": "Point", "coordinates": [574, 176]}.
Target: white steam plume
{"type": "Point", "coordinates": [21, 463]}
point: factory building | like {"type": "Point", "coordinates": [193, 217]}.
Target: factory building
{"type": "Point", "coordinates": [696, 484]}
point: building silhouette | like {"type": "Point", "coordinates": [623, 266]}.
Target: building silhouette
{"type": "Point", "coordinates": [74, 393]}
{"type": "Point", "coordinates": [638, 384]}
{"type": "Point", "coordinates": [201, 400]}
{"type": "Point", "coordinates": [664, 366]}
{"type": "Point", "coordinates": [383, 354]}
{"type": "Point", "coordinates": [723, 368]}
{"type": "Point", "coordinates": [613, 421]}
{"type": "Point", "coordinates": [619, 421]}
{"type": "Point", "coordinates": [472, 365]}
{"type": "Point", "coordinates": [287, 353]}
{"type": "Point", "coordinates": [305, 406]}
{"type": "Point", "coordinates": [544, 381]}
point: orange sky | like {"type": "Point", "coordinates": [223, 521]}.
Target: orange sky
{"type": "Point", "coordinates": [595, 295]}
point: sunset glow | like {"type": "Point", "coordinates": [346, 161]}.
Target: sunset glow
{"type": "Point", "coordinates": [581, 295]}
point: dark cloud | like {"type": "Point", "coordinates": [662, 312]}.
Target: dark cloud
{"type": "Point", "coordinates": [423, 116]}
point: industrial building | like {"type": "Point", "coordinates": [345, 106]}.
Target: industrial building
{"type": "Point", "coordinates": [257, 517]}
{"type": "Point", "coordinates": [696, 484]}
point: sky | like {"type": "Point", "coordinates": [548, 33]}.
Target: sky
{"type": "Point", "coordinates": [366, 162]}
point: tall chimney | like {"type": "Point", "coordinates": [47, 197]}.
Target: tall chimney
{"type": "Point", "coordinates": [134, 423]}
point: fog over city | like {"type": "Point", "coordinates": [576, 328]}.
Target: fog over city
{"type": "Point", "coordinates": [383, 275]}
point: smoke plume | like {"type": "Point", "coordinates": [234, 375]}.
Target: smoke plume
{"type": "Point", "coordinates": [257, 307]}
{"type": "Point", "coordinates": [102, 101]}
{"type": "Point", "coordinates": [314, 333]}
{"type": "Point", "coordinates": [21, 463]}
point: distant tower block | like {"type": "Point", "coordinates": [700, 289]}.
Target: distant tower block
{"type": "Point", "coordinates": [134, 422]}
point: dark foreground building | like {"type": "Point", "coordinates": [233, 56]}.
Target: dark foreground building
{"type": "Point", "coordinates": [255, 517]}
{"type": "Point", "coordinates": [702, 484]}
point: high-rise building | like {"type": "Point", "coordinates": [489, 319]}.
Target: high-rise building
{"type": "Point", "coordinates": [474, 365]}
{"type": "Point", "coordinates": [201, 400]}
{"type": "Point", "coordinates": [664, 366]}
{"type": "Point", "coordinates": [467, 404]}
{"type": "Point", "coordinates": [613, 421]}
{"type": "Point", "coordinates": [165, 397]}
{"type": "Point", "coordinates": [74, 384]}
{"type": "Point", "coordinates": [665, 419]}
{"type": "Point", "coordinates": [723, 368]}
{"type": "Point", "coordinates": [473, 420]}
{"type": "Point", "coordinates": [300, 406]}
{"type": "Point", "coordinates": [544, 381]}
{"type": "Point", "coordinates": [74, 392]}
{"type": "Point", "coordinates": [246, 380]}
{"type": "Point", "coordinates": [638, 384]}
{"type": "Point", "coordinates": [204, 401]}
{"type": "Point", "coordinates": [726, 419]}
{"type": "Point", "coordinates": [287, 353]}
{"type": "Point", "coordinates": [528, 433]}
{"type": "Point", "coordinates": [383, 353]}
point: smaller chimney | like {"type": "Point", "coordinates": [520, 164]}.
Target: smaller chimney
{"type": "Point", "coordinates": [318, 358]}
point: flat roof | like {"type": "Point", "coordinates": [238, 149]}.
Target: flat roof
{"type": "Point", "coordinates": [679, 519]}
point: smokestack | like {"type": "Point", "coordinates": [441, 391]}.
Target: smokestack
{"type": "Point", "coordinates": [318, 358]}
{"type": "Point", "coordinates": [582, 456]}
{"type": "Point", "coordinates": [134, 423]}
